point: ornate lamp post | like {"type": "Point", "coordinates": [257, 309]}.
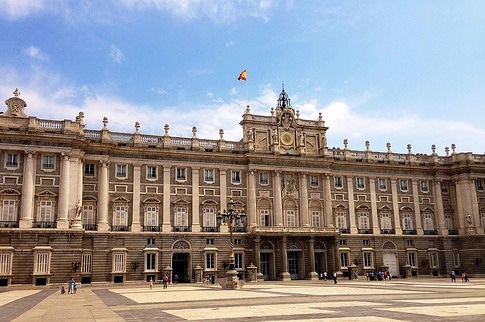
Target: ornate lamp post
{"type": "Point", "coordinates": [232, 217]}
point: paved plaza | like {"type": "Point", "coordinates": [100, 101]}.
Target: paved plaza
{"type": "Point", "coordinates": [418, 299]}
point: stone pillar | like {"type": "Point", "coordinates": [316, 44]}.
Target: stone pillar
{"type": "Point", "coordinates": [417, 209]}
{"type": "Point", "coordinates": [440, 213]}
{"type": "Point", "coordinates": [135, 222]}
{"type": "Point", "coordinates": [350, 190]}
{"type": "Point", "coordinates": [27, 204]}
{"type": "Point", "coordinates": [166, 225]}
{"type": "Point", "coordinates": [395, 207]}
{"type": "Point", "coordinates": [77, 222]}
{"type": "Point", "coordinates": [251, 269]}
{"type": "Point", "coordinates": [63, 210]}
{"type": "Point", "coordinates": [278, 206]}
{"type": "Point", "coordinates": [312, 275]}
{"type": "Point", "coordinates": [257, 257]}
{"type": "Point", "coordinates": [251, 207]}
{"type": "Point", "coordinates": [103, 196]}
{"type": "Point", "coordinates": [195, 200]}
{"type": "Point", "coordinates": [475, 211]}
{"type": "Point", "coordinates": [198, 274]}
{"type": "Point", "coordinates": [304, 212]}
{"type": "Point", "coordinates": [373, 207]}
{"type": "Point", "coordinates": [328, 202]}
{"type": "Point", "coordinates": [285, 276]}
{"type": "Point", "coordinates": [223, 181]}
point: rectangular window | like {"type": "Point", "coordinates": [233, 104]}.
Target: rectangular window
{"type": "Point", "coordinates": [367, 257]}
{"type": "Point", "coordinates": [151, 259]}
{"type": "Point", "coordinates": [313, 181]}
{"type": "Point", "coordinates": [360, 183]}
{"type": "Point", "coordinates": [119, 262]}
{"type": "Point", "coordinates": [89, 169]}
{"type": "Point", "coordinates": [410, 242]}
{"type": "Point", "coordinates": [343, 242]}
{"type": "Point", "coordinates": [5, 263]}
{"type": "Point", "coordinates": [46, 211]}
{"type": "Point", "coordinates": [290, 218]}
{"type": "Point", "coordinates": [151, 215]}
{"type": "Point", "coordinates": [480, 184]}
{"type": "Point", "coordinates": [88, 214]}
{"type": "Point", "coordinates": [238, 261]}
{"type": "Point", "coordinates": [456, 260]}
{"type": "Point", "coordinates": [235, 177]}
{"type": "Point", "coordinates": [8, 212]}
{"type": "Point", "coordinates": [264, 217]}
{"type": "Point", "coordinates": [210, 259]}
{"type": "Point", "coordinates": [181, 217]}
{"type": "Point", "coordinates": [209, 217]}
{"type": "Point", "coordinates": [412, 259]}
{"type": "Point", "coordinates": [150, 241]}
{"type": "Point", "coordinates": [121, 170]}
{"type": "Point", "coordinates": [181, 174]}
{"type": "Point", "coordinates": [337, 182]}
{"type": "Point", "coordinates": [403, 184]}
{"type": "Point", "coordinates": [365, 242]}
{"type": "Point", "coordinates": [315, 218]}
{"type": "Point", "coordinates": [444, 187]}
{"type": "Point", "coordinates": [424, 185]}
{"type": "Point", "coordinates": [151, 172]}
{"type": "Point", "coordinates": [209, 241]}
{"type": "Point", "coordinates": [87, 263]}
{"type": "Point", "coordinates": [12, 160]}
{"type": "Point", "coordinates": [42, 263]}
{"type": "Point", "coordinates": [209, 175]}
{"type": "Point", "coordinates": [48, 162]}
{"type": "Point", "coordinates": [433, 260]}
{"type": "Point", "coordinates": [382, 183]}
{"type": "Point", "coordinates": [237, 241]}
{"type": "Point", "coordinates": [341, 219]}
{"type": "Point", "coordinates": [120, 217]}
{"type": "Point", "coordinates": [263, 178]}
{"type": "Point", "coordinates": [344, 259]}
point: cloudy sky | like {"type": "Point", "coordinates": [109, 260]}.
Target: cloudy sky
{"type": "Point", "coordinates": [404, 72]}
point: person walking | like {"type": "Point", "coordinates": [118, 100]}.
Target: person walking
{"type": "Point", "coordinates": [334, 277]}
{"type": "Point", "coordinates": [453, 276]}
{"type": "Point", "coordinates": [165, 281]}
{"type": "Point", "coordinates": [70, 286]}
{"type": "Point", "coordinates": [151, 283]}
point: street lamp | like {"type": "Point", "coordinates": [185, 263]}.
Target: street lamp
{"type": "Point", "coordinates": [233, 217]}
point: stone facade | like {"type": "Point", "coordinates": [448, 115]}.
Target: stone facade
{"type": "Point", "coordinates": [102, 206]}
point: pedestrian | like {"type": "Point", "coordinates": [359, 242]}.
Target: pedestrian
{"type": "Point", "coordinates": [70, 286]}
{"type": "Point", "coordinates": [175, 278]}
{"type": "Point", "coordinates": [467, 279]}
{"type": "Point", "coordinates": [453, 276]}
{"type": "Point", "coordinates": [74, 287]}
{"type": "Point", "coordinates": [356, 275]}
{"type": "Point", "coordinates": [165, 280]}
{"type": "Point", "coordinates": [334, 277]}
{"type": "Point", "coordinates": [151, 283]}
{"type": "Point", "coordinates": [324, 276]}
{"type": "Point", "coordinates": [63, 290]}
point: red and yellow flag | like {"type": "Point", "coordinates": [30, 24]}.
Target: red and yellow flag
{"type": "Point", "coordinates": [242, 76]}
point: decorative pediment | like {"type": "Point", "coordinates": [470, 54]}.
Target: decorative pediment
{"type": "Point", "coordinates": [120, 200]}
{"type": "Point", "coordinates": [46, 193]}
{"type": "Point", "coordinates": [11, 192]}
{"type": "Point", "coordinates": [151, 200]}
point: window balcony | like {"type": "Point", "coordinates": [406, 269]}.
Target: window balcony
{"type": "Point", "coordinates": [9, 224]}
{"type": "Point", "coordinates": [45, 224]}
{"type": "Point", "coordinates": [92, 227]}
{"type": "Point", "coordinates": [120, 228]}
{"type": "Point", "coordinates": [209, 229]}
{"type": "Point", "coordinates": [364, 231]}
{"type": "Point", "coordinates": [388, 231]}
{"type": "Point", "coordinates": [181, 228]}
{"type": "Point", "coordinates": [431, 232]}
{"type": "Point", "coordinates": [239, 229]}
{"type": "Point", "coordinates": [452, 231]}
{"type": "Point", "coordinates": [409, 232]}
{"type": "Point", "coordinates": [152, 228]}
{"type": "Point", "coordinates": [344, 230]}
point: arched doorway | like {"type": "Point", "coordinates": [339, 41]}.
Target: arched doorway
{"type": "Point", "coordinates": [181, 261]}
{"type": "Point", "coordinates": [295, 260]}
{"type": "Point", "coordinates": [389, 258]}
{"type": "Point", "coordinates": [266, 260]}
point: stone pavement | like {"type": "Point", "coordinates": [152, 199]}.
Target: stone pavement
{"type": "Point", "coordinates": [415, 299]}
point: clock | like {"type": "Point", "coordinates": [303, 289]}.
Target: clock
{"type": "Point", "coordinates": [286, 138]}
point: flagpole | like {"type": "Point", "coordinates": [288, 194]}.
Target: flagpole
{"type": "Point", "coordinates": [247, 104]}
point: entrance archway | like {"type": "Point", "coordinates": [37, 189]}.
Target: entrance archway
{"type": "Point", "coordinates": [181, 261]}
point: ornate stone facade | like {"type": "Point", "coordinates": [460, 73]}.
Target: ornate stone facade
{"type": "Point", "coordinates": [103, 206]}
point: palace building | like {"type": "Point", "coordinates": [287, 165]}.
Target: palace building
{"type": "Point", "coordinates": [105, 206]}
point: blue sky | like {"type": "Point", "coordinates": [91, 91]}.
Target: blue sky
{"type": "Point", "coordinates": [404, 72]}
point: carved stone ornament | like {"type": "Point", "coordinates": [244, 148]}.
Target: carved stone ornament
{"type": "Point", "coordinates": [290, 191]}
{"type": "Point", "coordinates": [15, 105]}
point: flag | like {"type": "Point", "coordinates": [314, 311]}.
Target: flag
{"type": "Point", "coordinates": [242, 76]}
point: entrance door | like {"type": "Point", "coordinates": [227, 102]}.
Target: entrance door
{"type": "Point", "coordinates": [294, 265]}
{"type": "Point", "coordinates": [320, 263]}
{"type": "Point", "coordinates": [265, 263]}
{"type": "Point", "coordinates": [180, 266]}
{"type": "Point", "coordinates": [390, 261]}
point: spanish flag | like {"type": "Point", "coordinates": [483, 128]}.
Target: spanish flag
{"type": "Point", "coordinates": [242, 76]}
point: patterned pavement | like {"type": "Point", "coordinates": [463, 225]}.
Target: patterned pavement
{"type": "Point", "coordinates": [397, 300]}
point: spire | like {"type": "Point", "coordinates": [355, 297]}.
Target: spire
{"type": "Point", "coordinates": [283, 100]}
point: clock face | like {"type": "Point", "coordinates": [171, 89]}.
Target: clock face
{"type": "Point", "coordinates": [286, 138]}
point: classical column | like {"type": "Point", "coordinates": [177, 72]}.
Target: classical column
{"type": "Point", "coordinates": [350, 190]}
{"type": "Point", "coordinates": [312, 274]}
{"type": "Point", "coordinates": [278, 206]}
{"type": "Point", "coordinates": [251, 207]}
{"type": "Point", "coordinates": [417, 209]}
{"type": "Point", "coordinates": [285, 276]}
{"type": "Point", "coordinates": [195, 200]}
{"type": "Point", "coordinates": [373, 207]}
{"type": "Point", "coordinates": [223, 181]}
{"type": "Point", "coordinates": [28, 192]}
{"type": "Point", "coordinates": [395, 207]}
{"type": "Point", "coordinates": [304, 212]}
{"type": "Point", "coordinates": [135, 223]}
{"type": "Point", "coordinates": [77, 199]}
{"type": "Point", "coordinates": [328, 202]}
{"type": "Point", "coordinates": [103, 195]}
{"type": "Point", "coordinates": [460, 212]}
{"type": "Point", "coordinates": [63, 210]}
{"type": "Point", "coordinates": [166, 225]}
{"type": "Point", "coordinates": [474, 205]}
{"type": "Point", "coordinates": [257, 256]}
{"type": "Point", "coordinates": [440, 213]}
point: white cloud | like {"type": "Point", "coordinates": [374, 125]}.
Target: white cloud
{"type": "Point", "coordinates": [116, 54]}
{"type": "Point", "coordinates": [16, 9]}
{"type": "Point", "coordinates": [36, 53]}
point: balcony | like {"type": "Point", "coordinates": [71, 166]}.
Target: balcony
{"type": "Point", "coordinates": [409, 232]}
{"type": "Point", "coordinates": [388, 231]}
{"type": "Point", "coordinates": [431, 232]}
{"type": "Point", "coordinates": [364, 231]}
{"type": "Point", "coordinates": [120, 228]}
{"type": "Point", "coordinates": [45, 224]}
{"type": "Point", "coordinates": [181, 228]}
{"type": "Point", "coordinates": [344, 230]}
{"type": "Point", "coordinates": [9, 224]}
{"type": "Point", "coordinates": [151, 228]}
{"type": "Point", "coordinates": [452, 231]}
{"type": "Point", "coordinates": [209, 229]}
{"type": "Point", "coordinates": [92, 227]}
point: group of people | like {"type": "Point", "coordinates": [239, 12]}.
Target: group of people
{"type": "Point", "coordinates": [464, 277]}
{"type": "Point", "coordinates": [324, 276]}
{"type": "Point", "coordinates": [71, 287]}
{"type": "Point", "coordinates": [379, 276]}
